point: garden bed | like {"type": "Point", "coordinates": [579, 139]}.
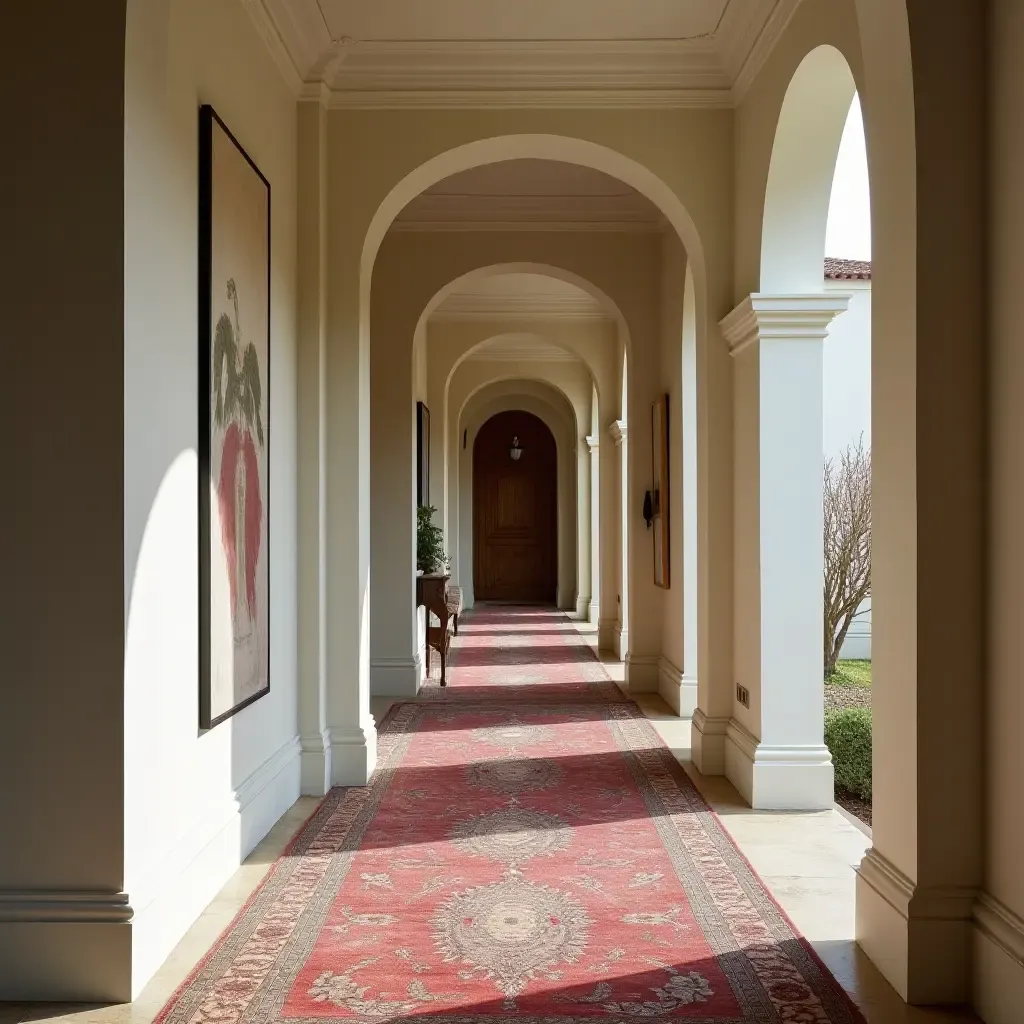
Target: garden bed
{"type": "Point", "coordinates": [848, 693]}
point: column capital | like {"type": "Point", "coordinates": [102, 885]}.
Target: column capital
{"type": "Point", "coordinates": [618, 431]}
{"type": "Point", "coordinates": [762, 317]}
{"type": "Point", "coordinates": [593, 442]}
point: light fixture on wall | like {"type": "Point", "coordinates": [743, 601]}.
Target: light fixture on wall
{"type": "Point", "coordinates": [515, 451]}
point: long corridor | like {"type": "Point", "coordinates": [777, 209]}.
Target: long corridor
{"type": "Point", "coordinates": [527, 849]}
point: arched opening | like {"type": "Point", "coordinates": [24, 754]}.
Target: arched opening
{"type": "Point", "coordinates": [515, 510]}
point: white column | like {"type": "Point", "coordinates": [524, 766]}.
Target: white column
{"type": "Point", "coordinates": [314, 735]}
{"type": "Point", "coordinates": [594, 611]}
{"type": "Point", "coordinates": [584, 542]}
{"type": "Point", "coordinates": [775, 750]}
{"type": "Point", "coordinates": [620, 436]}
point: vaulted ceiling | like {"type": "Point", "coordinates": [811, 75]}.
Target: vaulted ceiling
{"type": "Point", "coordinates": [402, 53]}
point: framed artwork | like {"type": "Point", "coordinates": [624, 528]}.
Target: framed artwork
{"type": "Point", "coordinates": [422, 455]}
{"type": "Point", "coordinates": [234, 425]}
{"type": "Point", "coordinates": [660, 496]}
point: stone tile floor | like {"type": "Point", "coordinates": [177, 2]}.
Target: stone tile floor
{"type": "Point", "coordinates": [806, 860]}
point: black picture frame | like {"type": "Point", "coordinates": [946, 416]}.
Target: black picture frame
{"type": "Point", "coordinates": [422, 455]}
{"type": "Point", "coordinates": [242, 402]}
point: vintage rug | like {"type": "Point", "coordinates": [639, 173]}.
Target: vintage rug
{"type": "Point", "coordinates": [527, 851]}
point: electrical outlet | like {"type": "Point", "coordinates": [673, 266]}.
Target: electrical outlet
{"type": "Point", "coordinates": [743, 695]}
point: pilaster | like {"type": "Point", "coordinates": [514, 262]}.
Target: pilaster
{"type": "Point", "coordinates": [775, 753]}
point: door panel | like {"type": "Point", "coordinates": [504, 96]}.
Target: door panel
{"type": "Point", "coordinates": [515, 538]}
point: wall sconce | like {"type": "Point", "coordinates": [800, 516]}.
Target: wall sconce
{"type": "Point", "coordinates": [648, 509]}
{"type": "Point", "coordinates": [515, 451]}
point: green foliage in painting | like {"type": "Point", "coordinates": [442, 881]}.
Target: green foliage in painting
{"type": "Point", "coordinates": [238, 392]}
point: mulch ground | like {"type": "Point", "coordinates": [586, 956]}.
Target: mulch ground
{"type": "Point", "coordinates": [857, 807]}
{"type": "Point", "coordinates": [839, 697]}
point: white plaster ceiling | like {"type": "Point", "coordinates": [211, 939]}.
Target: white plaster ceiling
{"type": "Point", "coordinates": [402, 53]}
{"type": "Point", "coordinates": [531, 195]}
{"type": "Point", "coordinates": [519, 297]}
{"type": "Point", "coordinates": [521, 348]}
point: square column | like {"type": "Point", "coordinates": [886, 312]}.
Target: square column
{"type": "Point", "coordinates": [620, 437]}
{"type": "Point", "coordinates": [594, 611]}
{"type": "Point", "coordinates": [775, 751]}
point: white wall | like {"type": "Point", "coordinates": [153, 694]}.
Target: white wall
{"type": "Point", "coordinates": [846, 381]}
{"type": "Point", "coordinates": [195, 804]}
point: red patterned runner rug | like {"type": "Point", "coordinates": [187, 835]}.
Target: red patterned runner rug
{"type": "Point", "coordinates": [527, 851]}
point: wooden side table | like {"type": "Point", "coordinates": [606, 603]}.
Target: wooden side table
{"type": "Point", "coordinates": [431, 592]}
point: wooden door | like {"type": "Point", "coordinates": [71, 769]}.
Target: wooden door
{"type": "Point", "coordinates": [515, 508]}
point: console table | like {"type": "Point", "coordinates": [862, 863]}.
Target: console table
{"type": "Point", "coordinates": [431, 592]}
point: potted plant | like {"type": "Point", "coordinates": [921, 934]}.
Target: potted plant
{"type": "Point", "coordinates": [430, 553]}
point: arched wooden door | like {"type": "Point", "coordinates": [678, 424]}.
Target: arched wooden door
{"type": "Point", "coordinates": [515, 510]}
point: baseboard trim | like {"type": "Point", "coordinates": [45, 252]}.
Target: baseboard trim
{"type": "Point", "coordinates": [776, 777]}
{"type": "Point", "coordinates": [395, 677]}
{"type": "Point", "coordinates": [1001, 925]}
{"type": "Point", "coordinates": [170, 897]}
{"type": "Point", "coordinates": [678, 690]}
{"type": "Point", "coordinates": [64, 906]}
{"type": "Point", "coordinates": [998, 990]}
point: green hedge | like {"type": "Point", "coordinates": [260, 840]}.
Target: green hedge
{"type": "Point", "coordinates": [848, 737]}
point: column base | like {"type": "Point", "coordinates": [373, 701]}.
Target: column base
{"type": "Point", "coordinates": [66, 946]}
{"type": "Point", "coordinates": [620, 641]}
{"type": "Point", "coordinates": [679, 691]}
{"type": "Point", "coordinates": [315, 764]}
{"type": "Point", "coordinates": [642, 673]}
{"type": "Point", "coordinates": [920, 939]}
{"type": "Point", "coordinates": [606, 629]}
{"type": "Point", "coordinates": [778, 778]}
{"type": "Point", "coordinates": [998, 961]}
{"type": "Point", "coordinates": [395, 677]}
{"type": "Point", "coordinates": [353, 756]}
{"type": "Point", "coordinates": [594, 613]}
{"type": "Point", "coordinates": [707, 743]}
{"type": "Point", "coordinates": [582, 608]}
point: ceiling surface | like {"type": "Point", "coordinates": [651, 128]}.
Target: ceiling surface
{"type": "Point", "coordinates": [497, 53]}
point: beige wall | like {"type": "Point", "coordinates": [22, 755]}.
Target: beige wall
{"type": "Point", "coordinates": [63, 552]}
{"type": "Point", "coordinates": [1000, 950]}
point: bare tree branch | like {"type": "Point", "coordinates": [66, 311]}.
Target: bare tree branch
{"type": "Point", "coordinates": [847, 535]}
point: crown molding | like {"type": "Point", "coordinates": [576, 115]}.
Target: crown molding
{"type": "Point", "coordinates": [761, 317]}
{"type": "Point", "coordinates": [757, 55]}
{"type": "Point", "coordinates": [619, 431]}
{"type": "Point", "coordinates": [519, 307]}
{"type": "Point", "coordinates": [531, 99]}
{"type": "Point", "coordinates": [268, 30]}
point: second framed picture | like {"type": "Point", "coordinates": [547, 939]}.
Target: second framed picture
{"type": "Point", "coordinates": [422, 455]}
{"type": "Point", "coordinates": [660, 496]}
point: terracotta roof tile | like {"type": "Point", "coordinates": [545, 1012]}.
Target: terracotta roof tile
{"type": "Point", "coordinates": [847, 270]}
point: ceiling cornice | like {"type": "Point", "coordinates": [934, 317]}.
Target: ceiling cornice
{"type": "Point", "coordinates": [273, 40]}
{"type": "Point", "coordinates": [667, 74]}
{"type": "Point", "coordinates": [758, 52]}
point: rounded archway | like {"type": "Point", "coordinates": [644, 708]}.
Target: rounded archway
{"type": "Point", "coordinates": [515, 510]}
